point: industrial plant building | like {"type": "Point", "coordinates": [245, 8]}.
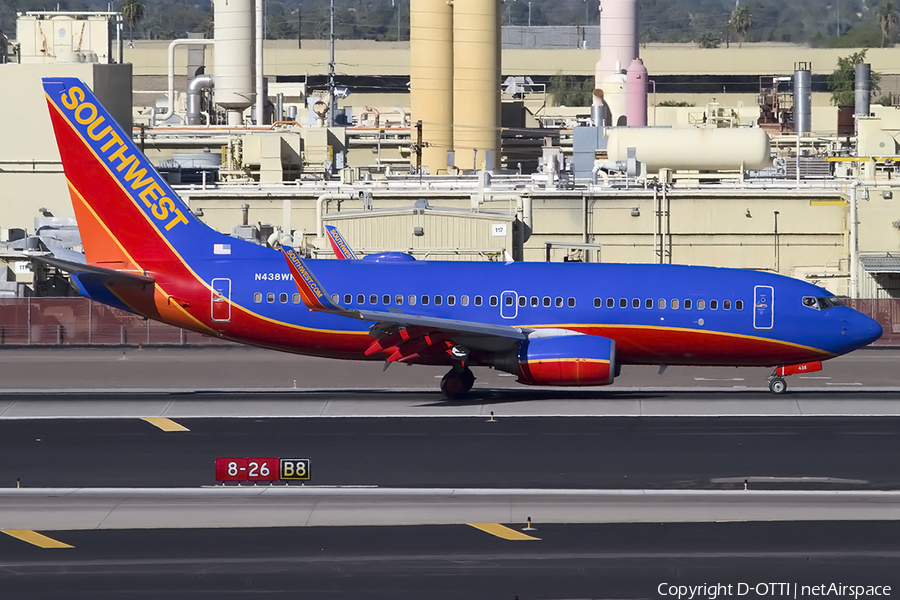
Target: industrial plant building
{"type": "Point", "coordinates": [450, 147]}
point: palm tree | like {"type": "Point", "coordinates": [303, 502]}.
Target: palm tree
{"type": "Point", "coordinates": [887, 18]}
{"type": "Point", "coordinates": [741, 20]}
{"type": "Point", "coordinates": [132, 12]}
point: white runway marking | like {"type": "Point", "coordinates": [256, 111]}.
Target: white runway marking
{"type": "Point", "coordinates": [711, 379]}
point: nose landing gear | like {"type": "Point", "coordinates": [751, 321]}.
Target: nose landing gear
{"type": "Point", "coordinates": [777, 384]}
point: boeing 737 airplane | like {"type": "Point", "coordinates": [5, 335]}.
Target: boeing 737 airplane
{"type": "Point", "coordinates": [548, 324]}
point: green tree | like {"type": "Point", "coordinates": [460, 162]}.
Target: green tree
{"type": "Point", "coordinates": [132, 12]}
{"type": "Point", "coordinates": [740, 21]}
{"type": "Point", "coordinates": [841, 83]}
{"type": "Point", "coordinates": [565, 90]}
{"type": "Point", "coordinates": [887, 18]}
{"type": "Point", "coordinates": [709, 40]}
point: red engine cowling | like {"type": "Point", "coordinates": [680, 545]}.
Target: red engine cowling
{"type": "Point", "coordinates": [567, 360]}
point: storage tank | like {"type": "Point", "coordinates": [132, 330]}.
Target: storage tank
{"type": "Point", "coordinates": [476, 82]}
{"type": "Point", "coordinates": [431, 78]}
{"type": "Point", "coordinates": [618, 47]}
{"type": "Point", "coordinates": [234, 57]}
{"type": "Point", "coordinates": [701, 149]}
{"type": "Point", "coordinates": [803, 99]}
{"type": "Point", "coordinates": [863, 89]}
{"type": "Point", "coordinates": [636, 94]}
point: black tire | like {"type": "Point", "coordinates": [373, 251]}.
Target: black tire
{"type": "Point", "coordinates": [777, 385]}
{"type": "Point", "coordinates": [457, 384]}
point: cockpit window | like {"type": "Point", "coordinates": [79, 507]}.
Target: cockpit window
{"type": "Point", "coordinates": [822, 302]}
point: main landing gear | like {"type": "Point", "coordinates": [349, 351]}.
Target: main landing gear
{"type": "Point", "coordinates": [458, 381]}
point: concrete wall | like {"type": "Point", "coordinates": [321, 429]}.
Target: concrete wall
{"type": "Point", "coordinates": [30, 172]}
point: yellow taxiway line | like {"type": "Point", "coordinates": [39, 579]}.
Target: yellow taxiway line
{"type": "Point", "coordinates": [502, 531]}
{"type": "Point", "coordinates": [33, 537]}
{"type": "Point", "coordinates": [165, 424]}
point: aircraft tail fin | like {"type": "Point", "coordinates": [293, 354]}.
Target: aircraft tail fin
{"type": "Point", "coordinates": [127, 213]}
{"type": "Point", "coordinates": [340, 246]}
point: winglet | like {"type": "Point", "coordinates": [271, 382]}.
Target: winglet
{"type": "Point", "coordinates": [311, 291]}
{"type": "Point", "coordinates": [339, 244]}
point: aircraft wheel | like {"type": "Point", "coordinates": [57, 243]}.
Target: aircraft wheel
{"type": "Point", "coordinates": [456, 384]}
{"type": "Point", "coordinates": [777, 385]}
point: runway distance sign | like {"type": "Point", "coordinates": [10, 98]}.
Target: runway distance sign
{"type": "Point", "coordinates": [294, 469]}
{"type": "Point", "coordinates": [247, 469]}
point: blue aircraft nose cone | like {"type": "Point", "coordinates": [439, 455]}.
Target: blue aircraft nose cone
{"type": "Point", "coordinates": [863, 330]}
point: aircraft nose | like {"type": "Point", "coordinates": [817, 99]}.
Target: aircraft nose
{"type": "Point", "coordinates": [863, 330]}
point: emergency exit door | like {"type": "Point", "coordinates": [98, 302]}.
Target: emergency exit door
{"type": "Point", "coordinates": [221, 300]}
{"type": "Point", "coordinates": [763, 307]}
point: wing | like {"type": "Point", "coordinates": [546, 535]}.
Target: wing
{"type": "Point", "coordinates": [404, 336]}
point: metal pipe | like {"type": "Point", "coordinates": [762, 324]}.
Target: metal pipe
{"type": "Point", "coordinates": [863, 86]}
{"type": "Point", "coordinates": [245, 214]}
{"type": "Point", "coordinates": [321, 201]}
{"type": "Point", "coordinates": [854, 241]}
{"type": "Point", "coordinates": [197, 85]}
{"type": "Point", "coordinates": [279, 107]}
{"type": "Point", "coordinates": [170, 110]}
{"type": "Point", "coordinates": [119, 48]}
{"type": "Point", "coordinates": [260, 98]}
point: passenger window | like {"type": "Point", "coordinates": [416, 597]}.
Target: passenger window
{"type": "Point", "coordinates": [623, 303]}
{"type": "Point", "coordinates": [373, 298]}
{"type": "Point", "coordinates": [398, 299]}
{"type": "Point", "coordinates": [386, 299]}
{"type": "Point", "coordinates": [296, 298]}
{"type": "Point", "coordinates": [334, 298]}
{"type": "Point", "coordinates": [508, 301]}
{"type": "Point", "coordinates": [270, 297]}
{"type": "Point", "coordinates": [257, 297]}
{"type": "Point", "coordinates": [559, 302]}
{"type": "Point", "coordinates": [571, 302]}
{"type": "Point", "coordinates": [535, 301]}
{"type": "Point", "coordinates": [648, 303]}
{"type": "Point", "coordinates": [424, 300]}
{"type": "Point", "coordinates": [713, 304]}
{"type": "Point", "coordinates": [360, 299]}
{"type": "Point", "coordinates": [493, 300]}
{"type": "Point", "coordinates": [661, 303]}
{"type": "Point", "coordinates": [438, 300]}
{"type": "Point", "coordinates": [674, 304]}
{"type": "Point", "coordinates": [412, 299]}
{"type": "Point", "coordinates": [464, 300]}
{"type": "Point", "coordinates": [738, 305]}
{"type": "Point", "coordinates": [598, 302]}
{"type": "Point", "coordinates": [477, 300]}
{"type": "Point", "coordinates": [547, 301]}
{"type": "Point", "coordinates": [523, 300]}
{"type": "Point", "coordinates": [348, 298]}
{"type": "Point", "coordinates": [451, 300]}
{"type": "Point", "coordinates": [726, 304]}
{"type": "Point", "coordinates": [701, 304]}
{"type": "Point", "coordinates": [688, 304]}
{"type": "Point", "coordinates": [610, 303]}
{"type": "Point", "coordinates": [635, 303]}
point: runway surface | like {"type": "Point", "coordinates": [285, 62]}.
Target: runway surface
{"type": "Point", "coordinates": [533, 452]}
{"type": "Point", "coordinates": [450, 562]}
{"type": "Point", "coordinates": [240, 367]}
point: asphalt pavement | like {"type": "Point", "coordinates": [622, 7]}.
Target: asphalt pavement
{"type": "Point", "coordinates": [453, 562]}
{"type": "Point", "coordinates": [560, 453]}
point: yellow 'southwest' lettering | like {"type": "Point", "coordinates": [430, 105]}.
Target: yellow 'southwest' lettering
{"type": "Point", "coordinates": [179, 219]}
{"type": "Point", "coordinates": [92, 129]}
{"type": "Point", "coordinates": [71, 102]}
{"type": "Point", "coordinates": [120, 154]}
{"type": "Point", "coordinates": [162, 211]}
{"type": "Point", "coordinates": [90, 108]}
{"type": "Point", "coordinates": [113, 139]}
{"type": "Point", "coordinates": [154, 192]}
{"type": "Point", "coordinates": [138, 175]}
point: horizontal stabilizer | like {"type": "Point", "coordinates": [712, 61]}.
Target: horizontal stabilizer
{"type": "Point", "coordinates": [108, 276]}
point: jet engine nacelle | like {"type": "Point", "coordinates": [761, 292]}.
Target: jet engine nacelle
{"type": "Point", "coordinates": [567, 360]}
